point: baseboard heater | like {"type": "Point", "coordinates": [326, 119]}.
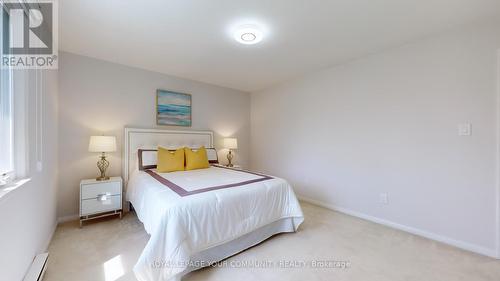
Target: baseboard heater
{"type": "Point", "coordinates": [37, 268]}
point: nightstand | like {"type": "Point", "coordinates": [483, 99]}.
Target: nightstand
{"type": "Point", "coordinates": [100, 198]}
{"type": "Point", "coordinates": [236, 167]}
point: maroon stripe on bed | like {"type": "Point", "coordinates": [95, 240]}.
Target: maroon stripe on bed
{"type": "Point", "coordinates": [240, 170]}
{"type": "Point", "coordinates": [182, 192]}
{"type": "Point", "coordinates": [179, 190]}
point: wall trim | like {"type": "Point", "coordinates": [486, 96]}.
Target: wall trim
{"type": "Point", "coordinates": [498, 161]}
{"type": "Point", "coordinates": [67, 218]}
{"type": "Point", "coordinates": [419, 232]}
{"type": "Point", "coordinates": [47, 243]}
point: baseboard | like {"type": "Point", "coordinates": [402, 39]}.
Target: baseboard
{"type": "Point", "coordinates": [67, 218]}
{"type": "Point", "coordinates": [47, 242]}
{"type": "Point", "coordinates": [433, 236]}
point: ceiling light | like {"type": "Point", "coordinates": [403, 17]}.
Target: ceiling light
{"type": "Point", "coordinates": [248, 35]}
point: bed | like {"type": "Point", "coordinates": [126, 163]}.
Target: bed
{"type": "Point", "coordinates": [199, 217]}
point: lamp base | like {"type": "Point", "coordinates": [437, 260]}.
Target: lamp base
{"type": "Point", "coordinates": [102, 164]}
{"type": "Point", "coordinates": [229, 159]}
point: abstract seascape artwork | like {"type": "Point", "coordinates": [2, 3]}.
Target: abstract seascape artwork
{"type": "Point", "coordinates": [173, 108]}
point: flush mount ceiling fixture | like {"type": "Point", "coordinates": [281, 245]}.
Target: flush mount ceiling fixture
{"type": "Point", "coordinates": [248, 35]}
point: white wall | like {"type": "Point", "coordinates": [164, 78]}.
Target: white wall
{"type": "Point", "coordinates": [387, 123]}
{"type": "Point", "coordinates": [28, 214]}
{"type": "Point", "coordinates": [101, 97]}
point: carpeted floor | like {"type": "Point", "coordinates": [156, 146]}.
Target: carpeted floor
{"type": "Point", "coordinates": [108, 249]}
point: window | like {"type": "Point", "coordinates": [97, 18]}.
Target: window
{"type": "Point", "coordinates": [6, 115]}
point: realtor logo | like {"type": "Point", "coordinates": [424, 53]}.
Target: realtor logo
{"type": "Point", "coordinates": [29, 34]}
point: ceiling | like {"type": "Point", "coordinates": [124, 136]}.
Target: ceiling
{"type": "Point", "coordinates": [192, 38]}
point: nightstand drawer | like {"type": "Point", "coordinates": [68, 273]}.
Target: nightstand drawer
{"type": "Point", "coordinates": [92, 191]}
{"type": "Point", "coordinates": [99, 205]}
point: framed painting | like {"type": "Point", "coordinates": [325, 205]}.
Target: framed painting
{"type": "Point", "coordinates": [173, 108]}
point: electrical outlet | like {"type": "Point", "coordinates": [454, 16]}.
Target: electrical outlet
{"type": "Point", "coordinates": [39, 166]}
{"type": "Point", "coordinates": [383, 198]}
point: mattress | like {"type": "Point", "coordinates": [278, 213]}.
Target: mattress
{"type": "Point", "coordinates": [207, 214]}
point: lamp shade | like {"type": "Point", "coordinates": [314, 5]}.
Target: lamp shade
{"type": "Point", "coordinates": [231, 143]}
{"type": "Point", "coordinates": [102, 144]}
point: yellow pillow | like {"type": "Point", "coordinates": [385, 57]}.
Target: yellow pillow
{"type": "Point", "coordinates": [170, 161]}
{"type": "Point", "coordinates": [196, 160]}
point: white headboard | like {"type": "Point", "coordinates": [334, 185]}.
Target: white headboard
{"type": "Point", "coordinates": [152, 138]}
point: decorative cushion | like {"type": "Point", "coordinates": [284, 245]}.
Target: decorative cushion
{"type": "Point", "coordinates": [196, 159]}
{"type": "Point", "coordinates": [147, 158]}
{"type": "Point", "coordinates": [170, 161]}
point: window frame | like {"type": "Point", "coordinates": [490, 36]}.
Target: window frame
{"type": "Point", "coordinates": [9, 175]}
{"type": "Point", "coordinates": [20, 82]}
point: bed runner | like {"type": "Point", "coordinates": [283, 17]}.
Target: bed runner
{"type": "Point", "coordinates": [182, 192]}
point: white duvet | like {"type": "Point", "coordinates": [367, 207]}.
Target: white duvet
{"type": "Point", "coordinates": [181, 226]}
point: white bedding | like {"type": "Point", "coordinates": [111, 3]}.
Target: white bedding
{"type": "Point", "coordinates": [181, 226]}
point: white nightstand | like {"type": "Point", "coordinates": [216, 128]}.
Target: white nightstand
{"type": "Point", "coordinates": [100, 198]}
{"type": "Point", "coordinates": [236, 167]}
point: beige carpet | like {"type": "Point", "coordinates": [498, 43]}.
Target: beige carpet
{"type": "Point", "coordinates": [108, 249]}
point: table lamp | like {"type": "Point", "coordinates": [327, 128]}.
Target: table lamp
{"type": "Point", "coordinates": [231, 144]}
{"type": "Point", "coordinates": [102, 144]}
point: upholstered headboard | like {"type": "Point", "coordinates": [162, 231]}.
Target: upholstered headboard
{"type": "Point", "coordinates": [135, 139]}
